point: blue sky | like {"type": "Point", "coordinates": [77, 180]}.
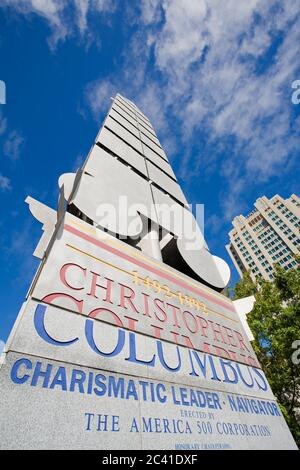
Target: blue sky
{"type": "Point", "coordinates": [214, 77]}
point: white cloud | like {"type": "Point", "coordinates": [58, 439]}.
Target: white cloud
{"type": "Point", "coordinates": [12, 145]}
{"type": "Point", "coordinates": [181, 41]}
{"type": "Point", "coordinates": [150, 11]}
{"type": "Point", "coordinates": [97, 95]}
{"type": "Point", "coordinates": [51, 10]}
{"type": "Point", "coordinates": [82, 7]}
{"type": "Point", "coordinates": [200, 65]}
{"type": "Point", "coordinates": [5, 184]}
{"type": "Point", "coordinates": [63, 17]}
{"type": "Point", "coordinates": [209, 54]}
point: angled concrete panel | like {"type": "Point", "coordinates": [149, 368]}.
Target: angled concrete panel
{"type": "Point", "coordinates": [154, 139]}
{"type": "Point", "coordinates": [116, 108]}
{"type": "Point", "coordinates": [122, 150]}
{"type": "Point", "coordinates": [124, 122]}
{"type": "Point", "coordinates": [154, 155]}
{"type": "Point", "coordinates": [165, 182]}
{"type": "Point", "coordinates": [125, 109]}
{"type": "Point", "coordinates": [160, 163]}
{"type": "Point", "coordinates": [106, 207]}
{"type": "Point", "coordinates": [134, 109]}
{"type": "Point", "coordinates": [124, 134]}
{"type": "Point", "coordinates": [147, 142]}
{"type": "Point", "coordinates": [146, 129]}
{"type": "Point", "coordinates": [146, 124]}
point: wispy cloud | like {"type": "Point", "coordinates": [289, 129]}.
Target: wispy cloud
{"type": "Point", "coordinates": [97, 94]}
{"type": "Point", "coordinates": [222, 69]}
{"type": "Point", "coordinates": [5, 183]}
{"type": "Point", "coordinates": [65, 18]}
{"type": "Point", "coordinates": [13, 145]}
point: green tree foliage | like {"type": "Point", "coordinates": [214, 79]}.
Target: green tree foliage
{"type": "Point", "coordinates": [275, 324]}
{"type": "Point", "coordinates": [244, 287]}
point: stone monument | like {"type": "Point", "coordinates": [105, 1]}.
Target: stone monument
{"type": "Point", "coordinates": [124, 340]}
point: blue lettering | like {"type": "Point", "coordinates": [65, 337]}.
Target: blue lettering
{"type": "Point", "coordinates": [251, 385]}
{"type": "Point", "coordinates": [264, 386]}
{"type": "Point", "coordinates": [162, 359]}
{"type": "Point", "coordinates": [161, 398]}
{"type": "Point", "coordinates": [227, 379]}
{"type": "Point", "coordinates": [14, 371]}
{"type": "Point", "coordinates": [39, 323]}
{"type": "Point", "coordinates": [60, 379]}
{"type": "Point", "coordinates": [199, 362]}
{"type": "Point", "coordinates": [39, 373]}
{"type": "Point", "coordinates": [100, 390]}
{"type": "Point", "coordinates": [78, 378]}
{"type": "Point", "coordinates": [132, 353]}
{"type": "Point", "coordinates": [89, 332]}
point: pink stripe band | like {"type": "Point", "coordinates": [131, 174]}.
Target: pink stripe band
{"type": "Point", "coordinates": [141, 264]}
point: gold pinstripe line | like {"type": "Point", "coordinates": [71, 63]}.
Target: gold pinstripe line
{"type": "Point", "coordinates": [135, 255]}
{"type": "Point", "coordinates": [131, 274]}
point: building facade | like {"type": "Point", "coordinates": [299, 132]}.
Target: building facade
{"type": "Point", "coordinates": [269, 235]}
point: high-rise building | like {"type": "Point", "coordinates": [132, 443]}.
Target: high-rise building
{"type": "Point", "coordinates": [269, 235]}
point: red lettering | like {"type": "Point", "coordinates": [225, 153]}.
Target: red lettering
{"type": "Point", "coordinates": [230, 337]}
{"type": "Point", "coordinates": [188, 342]}
{"type": "Point", "coordinates": [98, 311]}
{"type": "Point", "coordinates": [63, 272]}
{"type": "Point", "coordinates": [160, 305]}
{"type": "Point", "coordinates": [206, 348]}
{"type": "Point", "coordinates": [241, 341]}
{"type": "Point", "coordinates": [174, 311]}
{"type": "Point", "coordinates": [217, 331]}
{"type": "Point", "coordinates": [129, 297]}
{"type": "Point", "coordinates": [157, 331]}
{"type": "Point", "coordinates": [187, 313]}
{"type": "Point", "coordinates": [51, 298]}
{"type": "Point", "coordinates": [107, 287]}
{"type": "Point", "coordinates": [131, 323]}
{"type": "Point", "coordinates": [221, 352]}
{"type": "Point", "coordinates": [203, 325]}
{"type": "Point", "coordinates": [232, 354]}
{"type": "Point", "coordinates": [175, 336]}
{"type": "Point", "coordinates": [146, 304]}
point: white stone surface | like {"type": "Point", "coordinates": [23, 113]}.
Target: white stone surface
{"type": "Point", "coordinates": [55, 412]}
{"type": "Point", "coordinates": [124, 134]}
{"type": "Point", "coordinates": [47, 338]}
{"type": "Point", "coordinates": [148, 143]}
{"type": "Point", "coordinates": [243, 307]}
{"type": "Point", "coordinates": [124, 122]}
{"type": "Point", "coordinates": [121, 112]}
{"type": "Point", "coordinates": [165, 182]}
{"type": "Point", "coordinates": [122, 150]}
{"type": "Point", "coordinates": [97, 198]}
{"type": "Point", "coordinates": [89, 260]}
